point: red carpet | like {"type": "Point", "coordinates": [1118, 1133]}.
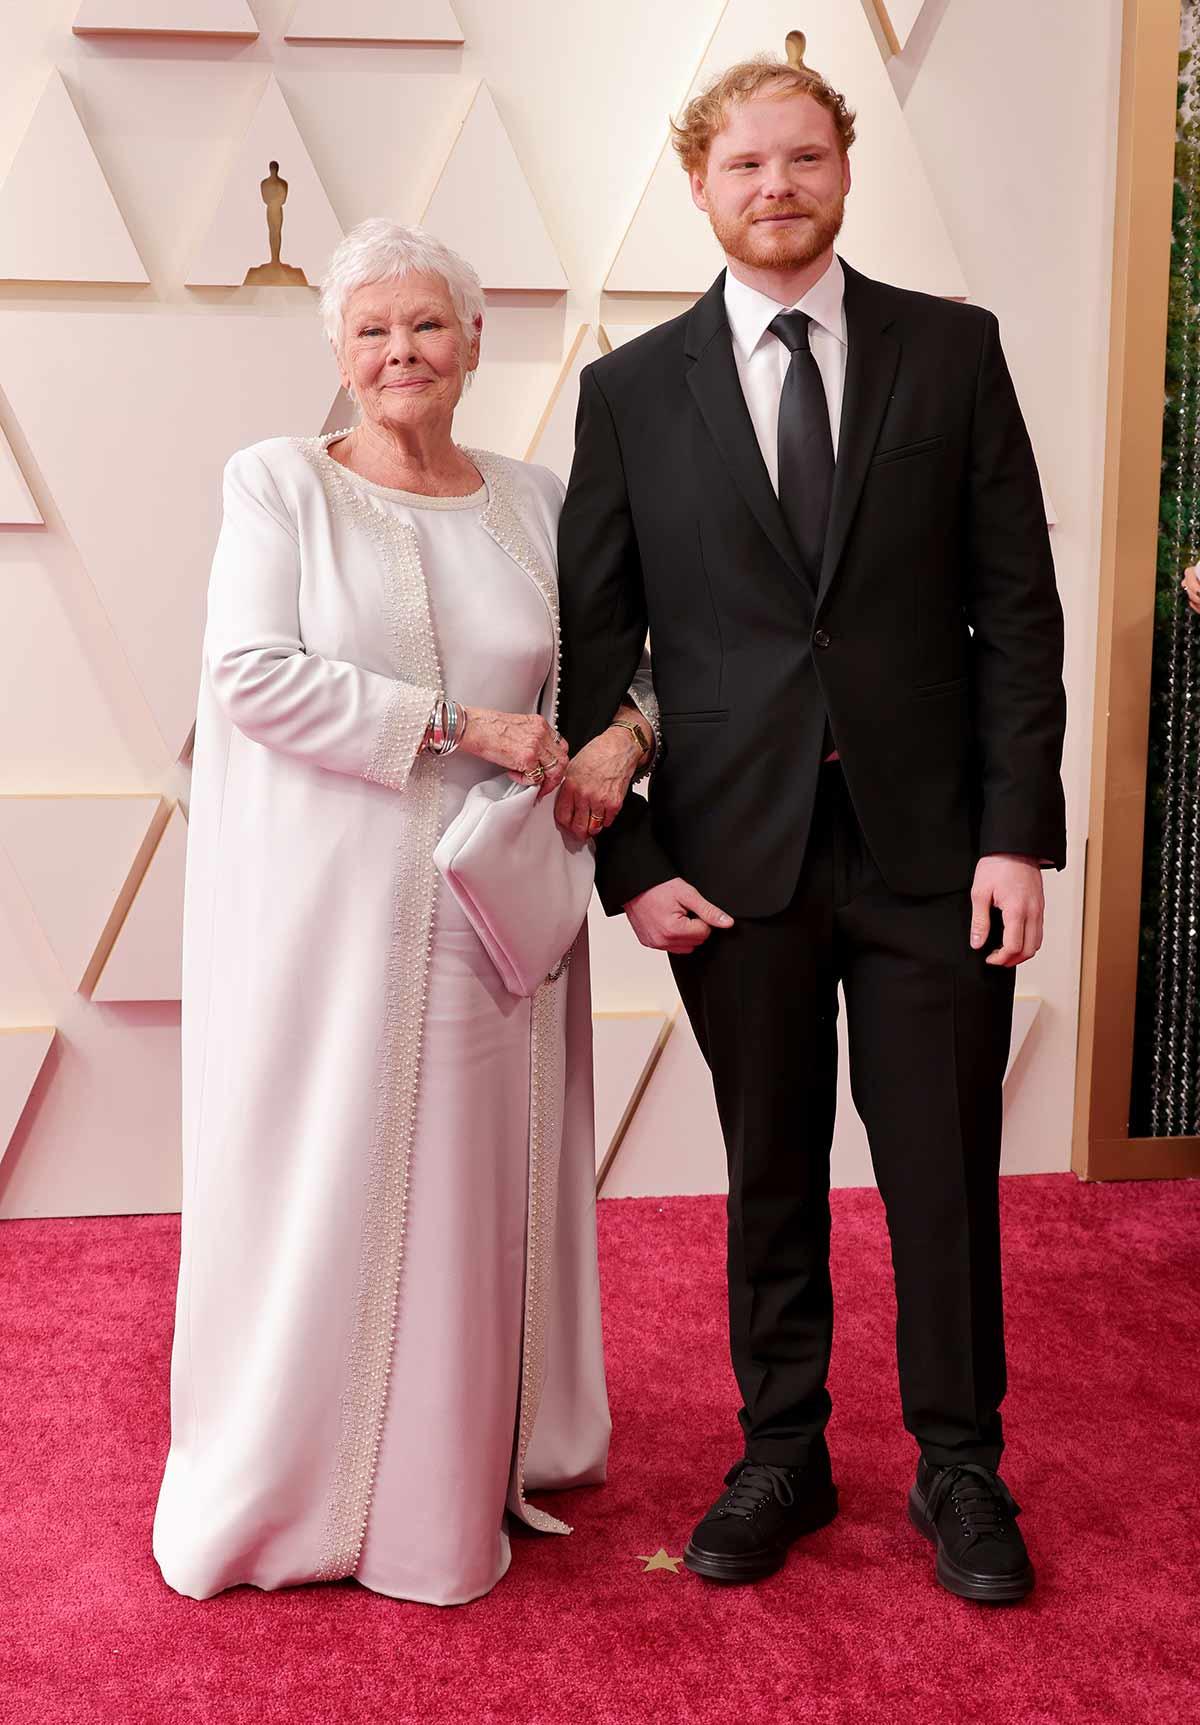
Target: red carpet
{"type": "Point", "coordinates": [1102, 1412]}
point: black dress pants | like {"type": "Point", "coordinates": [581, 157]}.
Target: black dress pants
{"type": "Point", "coordinates": [929, 1026]}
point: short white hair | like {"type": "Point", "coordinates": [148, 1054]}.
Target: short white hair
{"type": "Point", "coordinates": [378, 250]}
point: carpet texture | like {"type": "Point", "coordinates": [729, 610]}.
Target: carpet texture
{"type": "Point", "coordinates": [1103, 1298]}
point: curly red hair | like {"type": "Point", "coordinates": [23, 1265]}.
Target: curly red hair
{"type": "Point", "coordinates": [706, 114]}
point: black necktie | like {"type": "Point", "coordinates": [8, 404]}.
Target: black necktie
{"type": "Point", "coordinates": [805, 444]}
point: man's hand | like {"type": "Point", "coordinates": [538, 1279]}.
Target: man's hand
{"type": "Point", "coordinates": [597, 782]}
{"type": "Point", "coordinates": [1014, 885]}
{"type": "Point", "coordinates": [673, 917]}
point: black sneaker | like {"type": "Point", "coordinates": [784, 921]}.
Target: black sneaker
{"type": "Point", "coordinates": [746, 1534]}
{"type": "Point", "coordinates": [967, 1511]}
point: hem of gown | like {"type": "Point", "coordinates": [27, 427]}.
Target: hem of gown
{"type": "Point", "coordinates": [202, 1591]}
{"type": "Point", "coordinates": [412, 1597]}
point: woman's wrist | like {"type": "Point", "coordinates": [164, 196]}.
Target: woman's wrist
{"type": "Point", "coordinates": [472, 735]}
{"type": "Point", "coordinates": [446, 729]}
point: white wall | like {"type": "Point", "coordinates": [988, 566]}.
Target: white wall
{"type": "Point", "coordinates": [1022, 176]}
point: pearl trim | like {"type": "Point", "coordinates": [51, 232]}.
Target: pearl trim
{"type": "Point", "coordinates": [385, 1217]}
{"type": "Point", "coordinates": [413, 499]}
{"type": "Point", "coordinates": [547, 1069]}
{"type": "Point", "coordinates": [502, 523]}
{"type": "Point", "coordinates": [385, 1208]}
{"type": "Point", "coordinates": [547, 1037]}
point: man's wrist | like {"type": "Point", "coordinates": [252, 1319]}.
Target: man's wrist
{"type": "Point", "coordinates": [1017, 856]}
{"type": "Point", "coordinates": [636, 738]}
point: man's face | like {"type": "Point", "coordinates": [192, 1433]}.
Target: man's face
{"type": "Point", "coordinates": [774, 187]}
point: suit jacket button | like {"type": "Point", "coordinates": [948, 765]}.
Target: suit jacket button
{"type": "Point", "coordinates": [822, 638]}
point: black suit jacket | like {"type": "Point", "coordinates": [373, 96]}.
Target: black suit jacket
{"type": "Point", "coordinates": [933, 641]}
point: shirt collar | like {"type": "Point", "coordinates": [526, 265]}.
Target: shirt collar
{"type": "Point", "coordinates": [750, 312]}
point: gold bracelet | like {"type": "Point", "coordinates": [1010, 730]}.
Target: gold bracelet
{"type": "Point", "coordinates": [635, 731]}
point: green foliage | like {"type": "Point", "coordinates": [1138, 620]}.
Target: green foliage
{"type": "Point", "coordinates": [1179, 432]}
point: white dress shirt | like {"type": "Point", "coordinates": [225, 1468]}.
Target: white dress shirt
{"type": "Point", "coordinates": [762, 360]}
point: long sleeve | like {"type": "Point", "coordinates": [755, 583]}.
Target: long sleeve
{"type": "Point", "coordinates": [604, 631]}
{"type": "Point", "coordinates": [326, 711]}
{"type": "Point", "coordinates": [1016, 618]}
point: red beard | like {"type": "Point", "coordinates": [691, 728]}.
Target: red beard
{"type": "Point", "coordinates": [762, 247]}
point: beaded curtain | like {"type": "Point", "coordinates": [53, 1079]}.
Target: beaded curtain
{"type": "Point", "coordinates": [1166, 1080]}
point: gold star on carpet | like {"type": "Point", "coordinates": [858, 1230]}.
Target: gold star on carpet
{"type": "Point", "coordinates": [661, 1560]}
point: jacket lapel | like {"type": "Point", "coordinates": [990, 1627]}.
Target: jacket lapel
{"type": "Point", "coordinates": [713, 380]}
{"type": "Point", "coordinates": [871, 361]}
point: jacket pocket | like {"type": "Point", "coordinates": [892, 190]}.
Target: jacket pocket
{"type": "Point", "coordinates": [902, 451]}
{"type": "Point", "coordinates": [701, 716]}
{"type": "Point", "coordinates": [930, 691]}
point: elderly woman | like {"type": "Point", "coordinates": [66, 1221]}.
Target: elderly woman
{"type": "Point", "coordinates": [388, 1320]}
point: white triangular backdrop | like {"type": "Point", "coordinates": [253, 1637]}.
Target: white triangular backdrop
{"type": "Point", "coordinates": [230, 19]}
{"type": "Point", "coordinates": [79, 908]}
{"type": "Point", "coordinates": [342, 415]}
{"type": "Point", "coordinates": [625, 1047]}
{"type": "Point", "coordinates": [236, 238]}
{"type": "Point", "coordinates": [483, 207]}
{"type": "Point", "coordinates": [17, 507]}
{"type": "Point", "coordinates": [55, 170]}
{"type": "Point", "coordinates": [263, 375]}
{"type": "Point", "coordinates": [898, 18]}
{"type": "Point", "coordinates": [374, 21]}
{"type": "Point", "coordinates": [23, 1052]}
{"type": "Point", "coordinates": [553, 443]}
{"type": "Point", "coordinates": [146, 959]}
{"type": "Point", "coordinates": [617, 334]}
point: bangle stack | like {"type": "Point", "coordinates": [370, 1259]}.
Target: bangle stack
{"type": "Point", "coordinates": [446, 728]}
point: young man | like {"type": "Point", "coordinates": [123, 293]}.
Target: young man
{"type": "Point", "coordinates": [818, 493]}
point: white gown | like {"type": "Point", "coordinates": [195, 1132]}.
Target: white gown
{"type": "Point", "coordinates": [388, 1312]}
{"type": "Point", "coordinates": [436, 1532]}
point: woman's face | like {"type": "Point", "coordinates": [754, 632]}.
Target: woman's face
{"type": "Point", "coordinates": [404, 357]}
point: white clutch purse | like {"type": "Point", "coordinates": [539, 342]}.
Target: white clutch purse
{"type": "Point", "coordinates": [522, 882]}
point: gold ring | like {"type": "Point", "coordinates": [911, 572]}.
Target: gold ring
{"type": "Point", "coordinates": [595, 820]}
{"type": "Point", "coordinates": [535, 775]}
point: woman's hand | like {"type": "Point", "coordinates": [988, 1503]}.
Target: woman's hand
{"type": "Point", "coordinates": [597, 783]}
{"type": "Point", "coordinates": [521, 743]}
{"type": "Point", "coordinates": [1191, 586]}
